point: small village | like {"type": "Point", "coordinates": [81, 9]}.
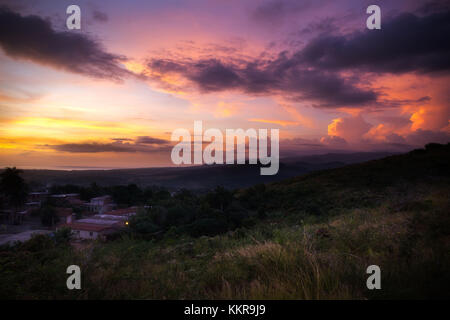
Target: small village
{"type": "Point", "coordinates": [99, 218]}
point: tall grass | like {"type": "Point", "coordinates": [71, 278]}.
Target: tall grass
{"type": "Point", "coordinates": [286, 256]}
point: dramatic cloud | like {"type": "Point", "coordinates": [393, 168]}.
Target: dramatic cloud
{"type": "Point", "coordinates": [357, 130]}
{"type": "Point", "coordinates": [330, 71]}
{"type": "Point", "coordinates": [141, 144]}
{"type": "Point", "coordinates": [91, 147]}
{"type": "Point", "coordinates": [122, 139]}
{"type": "Point", "coordinates": [350, 129]}
{"type": "Point", "coordinates": [151, 140]}
{"type": "Point", "coordinates": [33, 38]}
{"type": "Point", "coordinates": [327, 25]}
{"type": "Point", "coordinates": [406, 43]}
{"type": "Point", "coordinates": [279, 76]}
{"type": "Point", "coordinates": [334, 141]}
{"type": "Point", "coordinates": [434, 6]}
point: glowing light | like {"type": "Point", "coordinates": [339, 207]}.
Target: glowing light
{"type": "Point", "coordinates": [332, 127]}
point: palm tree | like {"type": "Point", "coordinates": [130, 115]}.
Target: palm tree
{"type": "Point", "coordinates": [14, 188]}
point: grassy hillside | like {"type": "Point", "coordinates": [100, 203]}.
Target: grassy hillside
{"type": "Point", "coordinates": [314, 240]}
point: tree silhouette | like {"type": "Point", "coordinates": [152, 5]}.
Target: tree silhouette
{"type": "Point", "coordinates": [14, 188]}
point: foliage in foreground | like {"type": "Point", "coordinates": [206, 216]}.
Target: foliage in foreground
{"type": "Point", "coordinates": [315, 244]}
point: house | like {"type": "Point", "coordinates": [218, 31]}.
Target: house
{"type": "Point", "coordinates": [65, 215]}
{"type": "Point", "coordinates": [64, 199]}
{"type": "Point", "coordinates": [123, 215]}
{"type": "Point", "coordinates": [121, 220]}
{"type": "Point", "coordinates": [102, 224]}
{"type": "Point", "coordinates": [20, 216]}
{"type": "Point", "coordinates": [66, 196]}
{"type": "Point", "coordinates": [37, 198]}
{"type": "Point", "coordinates": [75, 202]}
{"type": "Point", "coordinates": [94, 228]}
{"type": "Point", "coordinates": [101, 204]}
{"type": "Point", "coordinates": [87, 230]}
{"type": "Point", "coordinates": [13, 217]}
{"type": "Point", "coordinates": [126, 212]}
{"type": "Point", "coordinates": [99, 225]}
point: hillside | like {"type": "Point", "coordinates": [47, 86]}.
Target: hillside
{"type": "Point", "coordinates": [308, 237]}
{"type": "Point", "coordinates": [360, 185]}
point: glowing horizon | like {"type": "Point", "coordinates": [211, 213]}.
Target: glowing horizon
{"type": "Point", "coordinates": [113, 94]}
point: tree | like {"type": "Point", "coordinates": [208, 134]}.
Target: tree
{"type": "Point", "coordinates": [143, 222]}
{"type": "Point", "coordinates": [63, 235]}
{"type": "Point", "coordinates": [48, 216]}
{"type": "Point", "coordinates": [14, 188]}
{"type": "Point", "coordinates": [220, 198]}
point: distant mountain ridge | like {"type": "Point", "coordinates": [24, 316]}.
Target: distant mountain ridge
{"type": "Point", "coordinates": [198, 177]}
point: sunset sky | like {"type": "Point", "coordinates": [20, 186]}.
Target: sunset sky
{"type": "Point", "coordinates": [110, 95]}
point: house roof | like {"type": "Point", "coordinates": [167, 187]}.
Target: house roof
{"type": "Point", "coordinates": [122, 212]}
{"type": "Point", "coordinates": [110, 217]}
{"type": "Point", "coordinates": [101, 198]}
{"type": "Point", "coordinates": [95, 220]}
{"type": "Point", "coordinates": [65, 195]}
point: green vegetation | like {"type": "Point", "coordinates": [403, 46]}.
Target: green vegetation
{"type": "Point", "coordinates": [13, 190]}
{"type": "Point", "coordinates": [310, 237]}
{"type": "Point", "coordinates": [48, 215]}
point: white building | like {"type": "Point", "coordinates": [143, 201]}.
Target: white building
{"type": "Point", "coordinates": [93, 228]}
{"type": "Point", "coordinates": [101, 204]}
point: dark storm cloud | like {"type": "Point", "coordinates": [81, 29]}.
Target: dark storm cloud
{"type": "Point", "coordinates": [212, 75]}
{"type": "Point", "coordinates": [326, 25]}
{"type": "Point", "coordinates": [97, 147]}
{"type": "Point", "coordinates": [281, 75]}
{"type": "Point", "coordinates": [99, 16]}
{"type": "Point", "coordinates": [151, 140]}
{"type": "Point", "coordinates": [434, 6]}
{"type": "Point", "coordinates": [91, 147]}
{"type": "Point", "coordinates": [406, 43]}
{"type": "Point", "coordinates": [140, 144]}
{"type": "Point", "coordinates": [32, 38]}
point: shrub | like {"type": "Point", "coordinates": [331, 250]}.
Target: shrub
{"type": "Point", "coordinates": [63, 235]}
{"type": "Point", "coordinates": [206, 227]}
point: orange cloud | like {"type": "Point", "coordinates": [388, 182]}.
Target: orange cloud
{"type": "Point", "coordinates": [225, 110]}
{"type": "Point", "coordinates": [350, 128]}
{"type": "Point", "coordinates": [332, 127]}
{"type": "Point", "coordinates": [299, 118]}
{"type": "Point", "coordinates": [282, 123]}
{"type": "Point", "coordinates": [433, 117]}
{"type": "Point", "coordinates": [384, 133]}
